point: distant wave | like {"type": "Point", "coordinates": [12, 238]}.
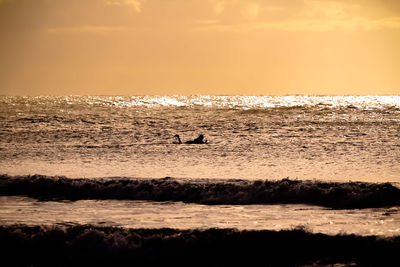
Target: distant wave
{"type": "Point", "coordinates": [224, 102]}
{"type": "Point", "coordinates": [211, 192]}
{"type": "Point", "coordinates": [86, 245]}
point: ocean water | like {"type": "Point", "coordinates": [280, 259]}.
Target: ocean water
{"type": "Point", "coordinates": [179, 215]}
{"type": "Point", "coordinates": [337, 138]}
{"type": "Point", "coordinates": [346, 150]}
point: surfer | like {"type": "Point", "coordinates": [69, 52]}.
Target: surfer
{"type": "Point", "coordinates": [199, 140]}
{"type": "Point", "coordinates": [179, 139]}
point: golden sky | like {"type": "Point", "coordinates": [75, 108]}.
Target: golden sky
{"type": "Point", "coordinates": [251, 47]}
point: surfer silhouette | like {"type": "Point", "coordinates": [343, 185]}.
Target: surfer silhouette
{"type": "Point", "coordinates": [199, 140]}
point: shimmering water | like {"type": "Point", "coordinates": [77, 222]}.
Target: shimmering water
{"type": "Point", "coordinates": [148, 214]}
{"type": "Point", "coordinates": [305, 137]}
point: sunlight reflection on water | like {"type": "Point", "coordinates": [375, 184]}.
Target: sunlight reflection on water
{"type": "Point", "coordinates": [148, 214]}
{"type": "Point", "coordinates": [251, 137]}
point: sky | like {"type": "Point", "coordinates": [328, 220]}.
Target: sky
{"type": "Point", "coordinates": [247, 47]}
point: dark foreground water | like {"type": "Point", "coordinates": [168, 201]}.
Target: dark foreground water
{"type": "Point", "coordinates": [85, 245]}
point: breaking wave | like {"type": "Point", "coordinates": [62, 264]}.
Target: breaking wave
{"type": "Point", "coordinates": [86, 245]}
{"type": "Point", "coordinates": [211, 192]}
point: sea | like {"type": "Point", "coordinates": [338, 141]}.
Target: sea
{"type": "Point", "coordinates": [324, 164]}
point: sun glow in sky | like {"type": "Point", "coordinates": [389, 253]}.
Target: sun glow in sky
{"type": "Point", "coordinates": [249, 47]}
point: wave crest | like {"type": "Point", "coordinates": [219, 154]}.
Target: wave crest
{"type": "Point", "coordinates": [232, 192]}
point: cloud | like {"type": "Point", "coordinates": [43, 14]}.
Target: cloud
{"type": "Point", "coordinates": [106, 16]}
{"type": "Point", "coordinates": [305, 25]}
{"type": "Point", "coordinates": [252, 10]}
{"type": "Point", "coordinates": [218, 6]}
{"type": "Point", "coordinates": [388, 23]}
{"type": "Point", "coordinates": [326, 9]}
{"type": "Point", "coordinates": [135, 4]}
{"type": "Point", "coordinates": [246, 9]}
{"type": "Point", "coordinates": [349, 24]}
{"type": "Point", "coordinates": [87, 29]}
{"type": "Point", "coordinates": [301, 15]}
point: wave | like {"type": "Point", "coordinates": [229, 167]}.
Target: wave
{"type": "Point", "coordinates": [213, 101]}
{"type": "Point", "coordinates": [212, 192]}
{"type": "Point", "coordinates": [87, 245]}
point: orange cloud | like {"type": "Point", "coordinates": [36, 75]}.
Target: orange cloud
{"type": "Point", "coordinates": [87, 29]}
{"type": "Point", "coordinates": [135, 4]}
{"type": "Point", "coordinates": [309, 15]}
